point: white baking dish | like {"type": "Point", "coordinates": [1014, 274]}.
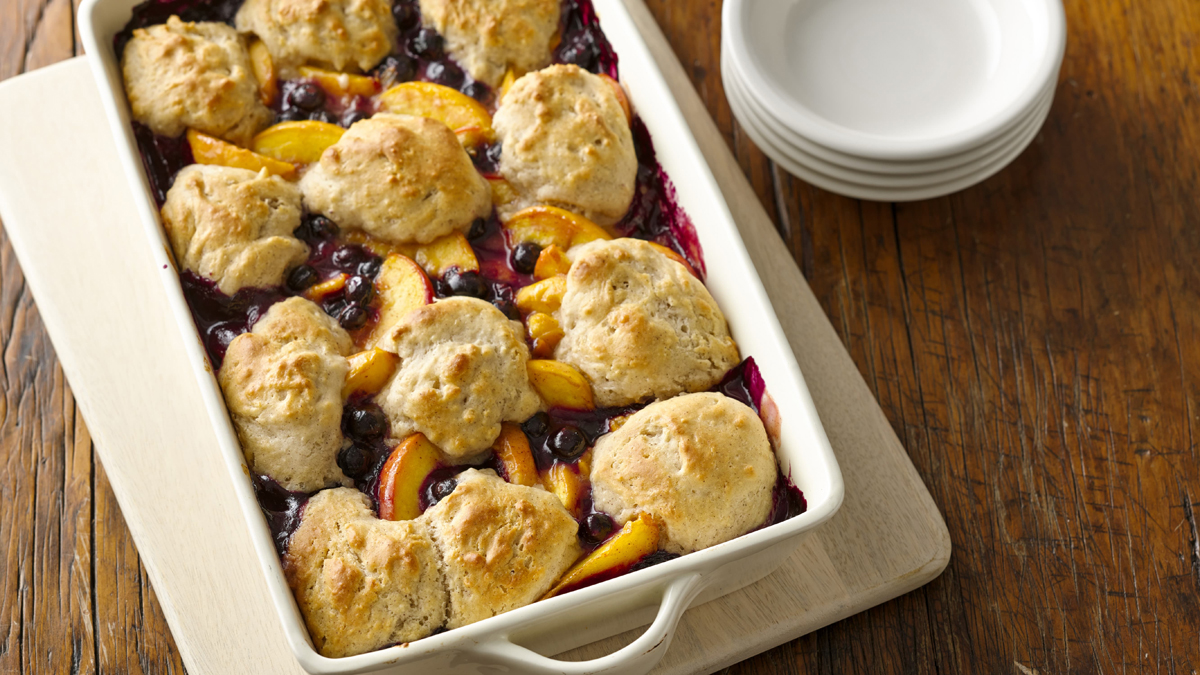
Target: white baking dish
{"type": "Point", "coordinates": [517, 641]}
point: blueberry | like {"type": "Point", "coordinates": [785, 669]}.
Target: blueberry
{"type": "Point", "coordinates": [478, 91]}
{"type": "Point", "coordinates": [347, 258]}
{"type": "Point", "coordinates": [508, 308]}
{"type": "Point", "coordinates": [441, 489]}
{"type": "Point", "coordinates": [353, 317]}
{"type": "Point", "coordinates": [478, 229]}
{"type": "Point", "coordinates": [467, 283]}
{"type": "Point", "coordinates": [537, 425]}
{"type": "Point", "coordinates": [365, 423]}
{"type": "Point", "coordinates": [370, 268]}
{"type": "Point", "coordinates": [307, 96]}
{"type": "Point", "coordinates": [405, 13]}
{"type": "Point", "coordinates": [428, 44]}
{"type": "Point", "coordinates": [567, 443]}
{"type": "Point", "coordinates": [395, 69]}
{"type": "Point", "coordinates": [334, 305]}
{"type": "Point", "coordinates": [359, 289]}
{"type": "Point", "coordinates": [582, 51]}
{"type": "Point", "coordinates": [291, 115]}
{"type": "Point", "coordinates": [444, 73]}
{"type": "Point", "coordinates": [525, 257]}
{"type": "Point", "coordinates": [596, 527]}
{"type": "Point", "coordinates": [316, 228]}
{"type": "Point", "coordinates": [353, 461]}
{"type": "Point", "coordinates": [302, 278]}
{"type": "Point", "coordinates": [353, 115]}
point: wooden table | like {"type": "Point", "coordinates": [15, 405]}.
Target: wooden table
{"type": "Point", "coordinates": [1032, 341]}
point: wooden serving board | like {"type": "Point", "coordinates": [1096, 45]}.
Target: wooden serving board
{"type": "Point", "coordinates": [71, 218]}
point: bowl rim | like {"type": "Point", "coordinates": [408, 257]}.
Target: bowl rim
{"type": "Point", "coordinates": [471, 641]}
{"type": "Point", "coordinates": [824, 132]}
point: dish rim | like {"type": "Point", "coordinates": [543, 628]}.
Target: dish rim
{"type": "Point", "coordinates": [680, 580]}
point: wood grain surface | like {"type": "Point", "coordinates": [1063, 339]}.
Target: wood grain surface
{"type": "Point", "coordinates": [1032, 341]}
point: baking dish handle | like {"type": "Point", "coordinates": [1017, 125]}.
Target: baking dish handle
{"type": "Point", "coordinates": [636, 658]}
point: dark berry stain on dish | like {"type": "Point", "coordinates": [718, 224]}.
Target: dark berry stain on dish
{"type": "Point", "coordinates": [282, 508]}
{"type": "Point", "coordinates": [219, 317]}
{"type": "Point", "coordinates": [163, 157]}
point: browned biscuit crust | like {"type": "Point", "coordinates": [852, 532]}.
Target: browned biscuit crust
{"type": "Point", "coordinates": [234, 226]}
{"type": "Point", "coordinates": [345, 35]}
{"type": "Point", "coordinates": [639, 325]}
{"type": "Point", "coordinates": [180, 74]}
{"type": "Point", "coordinates": [401, 178]}
{"type": "Point", "coordinates": [363, 583]}
{"type": "Point", "coordinates": [565, 142]}
{"type": "Point", "coordinates": [502, 545]}
{"type": "Point", "coordinates": [462, 372]}
{"type": "Point", "coordinates": [700, 464]}
{"type": "Point", "coordinates": [488, 37]}
{"type": "Point", "coordinates": [283, 387]}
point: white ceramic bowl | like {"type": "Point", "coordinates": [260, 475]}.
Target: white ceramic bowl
{"type": "Point", "coordinates": [897, 79]}
{"type": "Point", "coordinates": [518, 641]}
{"type": "Point", "coordinates": [772, 142]}
{"type": "Point", "coordinates": [788, 139]}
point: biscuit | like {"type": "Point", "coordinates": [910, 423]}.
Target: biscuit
{"type": "Point", "coordinates": [234, 226]}
{"type": "Point", "coordinates": [400, 178]}
{"type": "Point", "coordinates": [363, 583]}
{"type": "Point", "coordinates": [488, 37]}
{"type": "Point", "coordinates": [283, 387]}
{"type": "Point", "coordinates": [181, 74]}
{"type": "Point", "coordinates": [639, 325]}
{"type": "Point", "coordinates": [502, 545]}
{"type": "Point", "coordinates": [565, 142]}
{"type": "Point", "coordinates": [345, 35]}
{"type": "Point", "coordinates": [461, 373]}
{"type": "Point", "coordinates": [700, 464]}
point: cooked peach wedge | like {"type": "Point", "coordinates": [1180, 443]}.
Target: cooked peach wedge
{"type": "Point", "coordinates": [673, 255]}
{"type": "Point", "coordinates": [621, 97]}
{"type": "Point", "coordinates": [636, 540]}
{"type": "Point", "coordinates": [542, 296]}
{"type": "Point", "coordinates": [512, 449]}
{"type": "Point", "coordinates": [341, 84]}
{"type": "Point", "coordinates": [211, 150]}
{"type": "Point", "coordinates": [297, 142]}
{"type": "Point", "coordinates": [439, 255]}
{"type": "Point", "coordinates": [402, 287]}
{"type": "Point", "coordinates": [264, 71]}
{"type": "Point", "coordinates": [550, 225]}
{"type": "Point", "coordinates": [401, 477]}
{"type": "Point", "coordinates": [330, 285]}
{"type": "Point", "coordinates": [544, 333]}
{"type": "Point", "coordinates": [465, 116]}
{"type": "Point", "coordinates": [370, 369]}
{"type": "Point", "coordinates": [551, 261]}
{"type": "Point", "coordinates": [509, 78]}
{"type": "Point", "coordinates": [567, 483]}
{"type": "Point", "coordinates": [560, 385]}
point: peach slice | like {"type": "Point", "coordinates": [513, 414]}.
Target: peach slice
{"type": "Point", "coordinates": [502, 192]}
{"type": "Point", "coordinates": [450, 107]}
{"type": "Point", "coordinates": [542, 296]}
{"type": "Point", "coordinates": [264, 71]}
{"type": "Point", "coordinates": [330, 285]}
{"type": "Point", "coordinates": [550, 225]}
{"type": "Point", "coordinates": [377, 246]}
{"type": "Point", "coordinates": [560, 385]}
{"type": "Point", "coordinates": [402, 287]}
{"type": "Point", "coordinates": [298, 142]}
{"type": "Point", "coordinates": [544, 332]}
{"type": "Point", "coordinates": [567, 483]}
{"type": "Point", "coordinates": [211, 150]}
{"type": "Point", "coordinates": [451, 250]}
{"type": "Point", "coordinates": [621, 97]}
{"type": "Point", "coordinates": [512, 449]}
{"type": "Point", "coordinates": [670, 253]}
{"type": "Point", "coordinates": [341, 84]}
{"type": "Point", "coordinates": [401, 477]}
{"type": "Point", "coordinates": [636, 540]}
{"type": "Point", "coordinates": [369, 371]}
{"type": "Point", "coordinates": [509, 78]}
{"type": "Point", "coordinates": [551, 261]}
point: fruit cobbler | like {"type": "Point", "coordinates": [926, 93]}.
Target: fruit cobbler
{"type": "Point", "coordinates": [458, 318]}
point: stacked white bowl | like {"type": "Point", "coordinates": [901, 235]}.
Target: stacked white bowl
{"type": "Point", "coordinates": [892, 100]}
